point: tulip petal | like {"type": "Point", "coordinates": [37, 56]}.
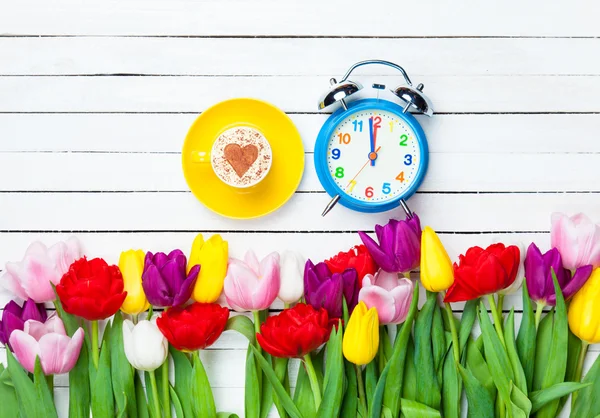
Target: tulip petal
{"type": "Point", "coordinates": [252, 262]}
{"type": "Point", "coordinates": [71, 353]}
{"type": "Point", "coordinates": [379, 256]}
{"type": "Point", "coordinates": [386, 280]}
{"type": "Point", "coordinates": [187, 287]}
{"type": "Point", "coordinates": [10, 282]}
{"type": "Point", "coordinates": [582, 274]}
{"type": "Point", "coordinates": [25, 348]}
{"type": "Point", "coordinates": [52, 347]}
{"type": "Point", "coordinates": [239, 285]}
{"type": "Point", "coordinates": [157, 291]}
{"type": "Point", "coordinates": [382, 300]}
{"type": "Point", "coordinates": [402, 295]}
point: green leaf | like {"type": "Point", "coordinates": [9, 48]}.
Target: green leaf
{"type": "Point", "coordinates": [121, 370]}
{"type": "Point", "coordinates": [587, 402]}
{"type": "Point", "coordinates": [177, 403]}
{"type": "Point", "coordinates": [542, 397]}
{"type": "Point", "coordinates": [479, 398]}
{"type": "Point", "coordinates": [140, 398]}
{"type": "Point", "coordinates": [370, 380]}
{"type": "Point", "coordinates": [574, 348]}
{"type": "Point", "coordinates": [25, 391]}
{"type": "Point", "coordinates": [394, 380]}
{"type": "Point", "coordinates": [252, 387]}
{"type": "Point", "coordinates": [350, 402]}
{"type": "Point", "coordinates": [333, 382]}
{"type": "Point", "coordinates": [226, 415]}
{"type": "Point", "coordinates": [467, 320]}
{"type": "Point", "coordinates": [557, 365]}
{"type": "Point", "coordinates": [438, 339]}
{"type": "Point", "coordinates": [451, 387]}
{"type": "Point", "coordinates": [415, 409]}
{"type": "Point", "coordinates": [409, 387]}
{"type": "Point", "coordinates": [243, 325]}
{"type": "Point", "coordinates": [102, 395]}
{"type": "Point", "coordinates": [428, 388]}
{"type": "Point", "coordinates": [183, 379]}
{"type": "Point", "coordinates": [204, 403]}
{"type": "Point", "coordinates": [303, 396]}
{"type": "Point", "coordinates": [526, 338]}
{"type": "Point", "coordinates": [542, 349]}
{"type": "Point", "coordinates": [10, 404]}
{"type": "Point", "coordinates": [150, 395]}
{"type": "Point", "coordinates": [123, 412]}
{"type": "Point", "coordinates": [266, 394]}
{"type": "Point", "coordinates": [520, 404]}
{"type": "Point", "coordinates": [511, 350]}
{"type": "Point", "coordinates": [281, 370]}
{"type": "Point", "coordinates": [45, 398]}
{"type": "Point", "coordinates": [478, 367]}
{"type": "Point", "coordinates": [268, 371]}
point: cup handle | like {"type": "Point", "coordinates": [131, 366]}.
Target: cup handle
{"type": "Point", "coordinates": [200, 157]}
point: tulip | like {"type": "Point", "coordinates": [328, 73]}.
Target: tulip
{"type": "Point", "coordinates": [326, 290]}
{"type": "Point", "coordinates": [516, 285]}
{"type": "Point", "coordinates": [49, 341]}
{"type": "Point", "coordinates": [295, 332]}
{"type": "Point", "coordinates": [212, 255]}
{"type": "Point", "coordinates": [538, 274]}
{"type": "Point", "coordinates": [361, 337]}
{"type": "Point", "coordinates": [584, 310]}
{"type": "Point", "coordinates": [195, 327]}
{"type": "Point", "coordinates": [131, 264]}
{"type": "Point", "coordinates": [436, 267]}
{"type": "Point", "coordinates": [357, 258]}
{"type": "Point", "coordinates": [389, 294]}
{"type": "Point", "coordinates": [41, 268]}
{"type": "Point", "coordinates": [91, 289]}
{"type": "Point", "coordinates": [250, 285]}
{"type": "Point", "coordinates": [292, 282]}
{"type": "Point", "coordinates": [399, 248]}
{"type": "Point", "coordinates": [15, 316]}
{"type": "Point", "coordinates": [165, 281]}
{"type": "Point", "coordinates": [483, 272]}
{"type": "Point", "coordinates": [577, 239]}
{"type": "Point", "coordinates": [146, 348]}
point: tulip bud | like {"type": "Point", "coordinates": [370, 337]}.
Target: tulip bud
{"type": "Point", "coordinates": [146, 348]}
{"type": "Point", "coordinates": [131, 264]}
{"type": "Point", "coordinates": [292, 273]}
{"type": "Point", "coordinates": [436, 267]}
{"type": "Point", "coordinates": [212, 255]}
{"type": "Point", "coordinates": [584, 310]}
{"type": "Point", "coordinates": [361, 337]}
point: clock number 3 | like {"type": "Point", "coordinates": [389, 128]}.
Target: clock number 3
{"type": "Point", "coordinates": [408, 159]}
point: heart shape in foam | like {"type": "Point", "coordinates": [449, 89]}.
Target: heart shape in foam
{"type": "Point", "coordinates": [240, 158]}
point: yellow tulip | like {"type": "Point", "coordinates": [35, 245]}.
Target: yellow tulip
{"type": "Point", "coordinates": [212, 255]}
{"type": "Point", "coordinates": [361, 337]}
{"type": "Point", "coordinates": [584, 310]}
{"type": "Point", "coordinates": [436, 268]}
{"type": "Point", "coordinates": [131, 264]}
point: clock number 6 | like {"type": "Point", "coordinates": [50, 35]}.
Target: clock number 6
{"type": "Point", "coordinates": [408, 159]}
{"type": "Point", "coordinates": [369, 192]}
{"type": "Point", "coordinates": [344, 138]}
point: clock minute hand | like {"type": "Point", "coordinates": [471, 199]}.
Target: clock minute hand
{"type": "Point", "coordinates": [372, 139]}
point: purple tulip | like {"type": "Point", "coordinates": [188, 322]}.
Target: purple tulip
{"type": "Point", "coordinates": [164, 279]}
{"type": "Point", "coordinates": [324, 289]}
{"type": "Point", "coordinates": [14, 317]}
{"type": "Point", "coordinates": [399, 248]}
{"type": "Point", "coordinates": [538, 274]}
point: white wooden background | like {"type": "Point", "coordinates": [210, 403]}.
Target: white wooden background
{"type": "Point", "coordinates": [96, 97]}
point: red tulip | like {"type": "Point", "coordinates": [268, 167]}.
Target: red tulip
{"type": "Point", "coordinates": [482, 272]}
{"type": "Point", "coordinates": [358, 258]}
{"type": "Point", "coordinates": [91, 289]}
{"type": "Point", "coordinates": [295, 332]}
{"type": "Point", "coordinates": [194, 327]}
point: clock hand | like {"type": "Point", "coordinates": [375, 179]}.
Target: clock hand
{"type": "Point", "coordinates": [337, 197]}
{"type": "Point", "coordinates": [372, 139]}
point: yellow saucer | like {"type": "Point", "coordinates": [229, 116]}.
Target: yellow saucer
{"type": "Point", "coordinates": [286, 168]}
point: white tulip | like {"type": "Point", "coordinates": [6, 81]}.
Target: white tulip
{"type": "Point", "coordinates": [146, 348]}
{"type": "Point", "coordinates": [292, 277]}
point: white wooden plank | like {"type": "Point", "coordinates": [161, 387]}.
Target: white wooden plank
{"type": "Point", "coordinates": [194, 94]}
{"type": "Point", "coordinates": [502, 133]}
{"type": "Point", "coordinates": [330, 57]}
{"type": "Point", "coordinates": [162, 172]}
{"type": "Point", "coordinates": [311, 18]}
{"type": "Point", "coordinates": [181, 211]}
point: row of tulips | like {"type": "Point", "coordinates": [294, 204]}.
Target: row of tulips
{"type": "Point", "coordinates": [353, 320]}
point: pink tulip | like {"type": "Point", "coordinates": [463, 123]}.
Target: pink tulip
{"type": "Point", "coordinates": [577, 239]}
{"type": "Point", "coordinates": [250, 285]}
{"type": "Point", "coordinates": [42, 266]}
{"type": "Point", "coordinates": [388, 294]}
{"type": "Point", "coordinates": [57, 351]}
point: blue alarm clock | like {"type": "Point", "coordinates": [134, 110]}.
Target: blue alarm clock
{"type": "Point", "coordinates": [372, 154]}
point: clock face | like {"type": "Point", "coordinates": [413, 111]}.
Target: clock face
{"type": "Point", "coordinates": [373, 156]}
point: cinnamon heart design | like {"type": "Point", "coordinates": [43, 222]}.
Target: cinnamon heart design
{"type": "Point", "coordinates": [241, 159]}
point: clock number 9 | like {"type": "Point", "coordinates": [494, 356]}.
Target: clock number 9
{"type": "Point", "coordinates": [408, 159]}
{"type": "Point", "coordinates": [339, 172]}
{"type": "Point", "coordinates": [403, 139]}
{"type": "Point", "coordinates": [344, 138]}
{"type": "Point", "coordinates": [386, 188]}
{"type": "Point", "coordinates": [335, 154]}
{"type": "Point", "coordinates": [369, 192]}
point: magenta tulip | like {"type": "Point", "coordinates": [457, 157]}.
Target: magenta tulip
{"type": "Point", "coordinates": [49, 341]}
{"type": "Point", "coordinates": [14, 317]}
{"type": "Point", "coordinates": [251, 285]}
{"type": "Point", "coordinates": [390, 295]}
{"type": "Point", "coordinates": [577, 239]}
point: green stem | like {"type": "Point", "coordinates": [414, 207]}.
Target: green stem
{"type": "Point", "coordinates": [381, 355]}
{"type": "Point", "coordinates": [154, 393]}
{"type": "Point", "coordinates": [497, 319]}
{"type": "Point", "coordinates": [539, 310]}
{"type": "Point", "coordinates": [95, 348]}
{"type": "Point", "coordinates": [150, 312]}
{"type": "Point", "coordinates": [500, 302]}
{"type": "Point", "coordinates": [314, 382]}
{"type": "Point", "coordinates": [579, 369]}
{"type": "Point", "coordinates": [165, 388]}
{"type": "Point", "coordinates": [286, 305]}
{"type": "Point", "coordinates": [259, 373]}
{"type": "Point", "coordinates": [454, 333]}
{"type": "Point", "coordinates": [361, 389]}
{"type": "Point", "coordinates": [50, 382]}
